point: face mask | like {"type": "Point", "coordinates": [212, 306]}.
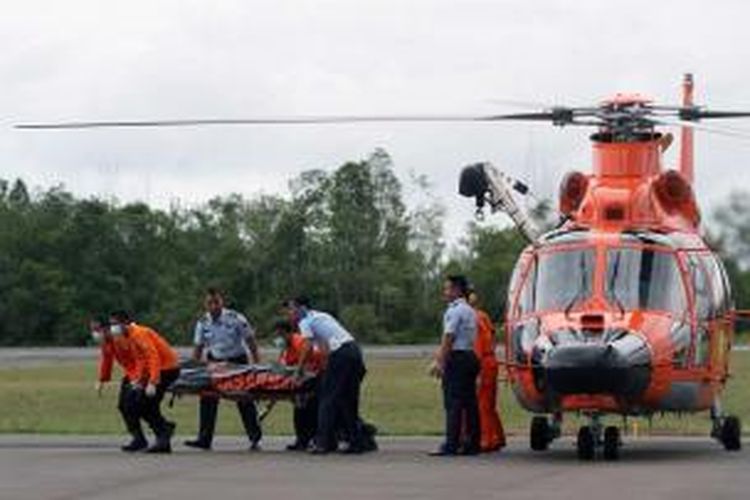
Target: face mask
{"type": "Point", "coordinates": [279, 343]}
{"type": "Point", "coordinates": [96, 336]}
{"type": "Point", "coordinates": [116, 329]}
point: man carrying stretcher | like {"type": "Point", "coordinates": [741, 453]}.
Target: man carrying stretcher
{"type": "Point", "coordinates": [150, 365]}
{"type": "Point", "coordinates": [292, 345]}
{"type": "Point", "coordinates": [223, 335]}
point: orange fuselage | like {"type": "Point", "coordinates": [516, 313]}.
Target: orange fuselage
{"type": "Point", "coordinates": [624, 308]}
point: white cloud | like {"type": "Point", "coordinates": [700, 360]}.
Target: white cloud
{"type": "Point", "coordinates": [170, 59]}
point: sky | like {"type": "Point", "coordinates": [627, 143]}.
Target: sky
{"type": "Point", "coordinates": [165, 59]}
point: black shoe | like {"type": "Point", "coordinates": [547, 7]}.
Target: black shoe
{"type": "Point", "coordinates": [255, 446]}
{"type": "Point", "coordinates": [198, 443]}
{"type": "Point", "coordinates": [161, 446]}
{"type": "Point", "coordinates": [443, 451]}
{"type": "Point", "coordinates": [369, 429]}
{"type": "Point", "coordinates": [297, 446]}
{"type": "Point", "coordinates": [137, 444]}
{"type": "Point", "coordinates": [469, 451]}
{"type": "Point", "coordinates": [369, 445]}
{"type": "Point", "coordinates": [318, 450]}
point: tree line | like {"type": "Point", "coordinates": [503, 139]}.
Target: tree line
{"type": "Point", "coordinates": [343, 237]}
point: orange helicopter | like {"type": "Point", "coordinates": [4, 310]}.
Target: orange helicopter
{"type": "Point", "coordinates": [623, 309]}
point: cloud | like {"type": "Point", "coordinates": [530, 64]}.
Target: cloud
{"type": "Point", "coordinates": [175, 59]}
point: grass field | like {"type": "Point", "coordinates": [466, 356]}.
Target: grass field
{"type": "Point", "coordinates": [398, 397]}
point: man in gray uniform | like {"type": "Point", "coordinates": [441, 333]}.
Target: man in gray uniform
{"type": "Point", "coordinates": [342, 378]}
{"type": "Point", "coordinates": [456, 362]}
{"type": "Point", "coordinates": [224, 335]}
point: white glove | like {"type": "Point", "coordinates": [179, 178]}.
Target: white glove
{"type": "Point", "coordinates": [150, 390]}
{"type": "Point", "coordinates": [99, 388]}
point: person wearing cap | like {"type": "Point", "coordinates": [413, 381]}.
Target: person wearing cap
{"type": "Point", "coordinates": [292, 345]}
{"type": "Point", "coordinates": [150, 365]}
{"type": "Point", "coordinates": [344, 372]}
{"type": "Point", "coordinates": [491, 428]}
{"type": "Point", "coordinates": [458, 367]}
{"type": "Point", "coordinates": [224, 335]}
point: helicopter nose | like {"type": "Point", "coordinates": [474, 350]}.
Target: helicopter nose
{"type": "Point", "coordinates": [620, 368]}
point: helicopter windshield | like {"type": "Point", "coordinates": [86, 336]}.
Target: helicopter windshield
{"type": "Point", "coordinates": [558, 280]}
{"type": "Point", "coordinates": [644, 279]}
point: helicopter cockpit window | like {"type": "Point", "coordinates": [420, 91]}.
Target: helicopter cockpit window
{"type": "Point", "coordinates": [558, 280]}
{"type": "Point", "coordinates": [515, 282]}
{"type": "Point", "coordinates": [644, 279]}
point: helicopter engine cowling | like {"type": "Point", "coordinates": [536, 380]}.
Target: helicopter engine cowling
{"type": "Point", "coordinates": [617, 363]}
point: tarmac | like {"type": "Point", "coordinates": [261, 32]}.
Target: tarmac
{"type": "Point", "coordinates": [92, 467]}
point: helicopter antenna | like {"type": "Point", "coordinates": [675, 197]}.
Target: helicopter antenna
{"type": "Point", "coordinates": [686, 137]}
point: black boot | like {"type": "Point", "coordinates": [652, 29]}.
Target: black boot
{"type": "Point", "coordinates": [199, 443]}
{"type": "Point", "coordinates": [138, 443]}
{"type": "Point", "coordinates": [163, 440]}
{"type": "Point", "coordinates": [297, 446]}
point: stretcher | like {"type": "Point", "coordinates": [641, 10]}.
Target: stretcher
{"type": "Point", "coordinates": [257, 382]}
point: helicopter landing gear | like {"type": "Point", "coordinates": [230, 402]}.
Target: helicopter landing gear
{"type": "Point", "coordinates": [726, 429]}
{"type": "Point", "coordinates": [593, 436]}
{"type": "Point", "coordinates": [612, 443]}
{"type": "Point", "coordinates": [586, 443]}
{"type": "Point", "coordinates": [544, 431]}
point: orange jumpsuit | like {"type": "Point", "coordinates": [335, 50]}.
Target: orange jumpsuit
{"type": "Point", "coordinates": [290, 355]}
{"type": "Point", "coordinates": [143, 355]}
{"type": "Point", "coordinates": [306, 413]}
{"type": "Point", "coordinates": [492, 435]}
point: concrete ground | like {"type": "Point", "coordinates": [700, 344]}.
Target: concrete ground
{"type": "Point", "coordinates": [71, 467]}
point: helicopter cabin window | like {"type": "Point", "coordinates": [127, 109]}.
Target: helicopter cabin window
{"type": "Point", "coordinates": [704, 298]}
{"type": "Point", "coordinates": [716, 276]}
{"type": "Point", "coordinates": [558, 280]}
{"type": "Point", "coordinates": [639, 278]}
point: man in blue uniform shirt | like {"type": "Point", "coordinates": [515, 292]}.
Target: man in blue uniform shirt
{"type": "Point", "coordinates": [224, 335]}
{"type": "Point", "coordinates": [458, 366]}
{"type": "Point", "coordinates": [345, 369]}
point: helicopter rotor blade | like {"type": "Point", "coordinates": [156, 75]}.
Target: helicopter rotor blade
{"type": "Point", "coordinates": [708, 114]}
{"type": "Point", "coordinates": [299, 120]}
{"type": "Point", "coordinates": [711, 129]}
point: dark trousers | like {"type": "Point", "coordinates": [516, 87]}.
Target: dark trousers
{"type": "Point", "coordinates": [209, 409]}
{"type": "Point", "coordinates": [339, 397]}
{"type": "Point", "coordinates": [460, 400]}
{"type": "Point", "coordinates": [306, 420]}
{"type": "Point", "coordinates": [134, 405]}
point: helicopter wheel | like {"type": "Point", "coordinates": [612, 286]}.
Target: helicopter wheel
{"type": "Point", "coordinates": [731, 433]}
{"type": "Point", "coordinates": [586, 443]}
{"type": "Point", "coordinates": [540, 433]}
{"type": "Point", "coordinates": [612, 443]}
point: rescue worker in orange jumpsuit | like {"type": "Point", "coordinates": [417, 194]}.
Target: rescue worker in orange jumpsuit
{"type": "Point", "coordinates": [492, 435]}
{"type": "Point", "coordinates": [292, 343]}
{"type": "Point", "coordinates": [150, 365]}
